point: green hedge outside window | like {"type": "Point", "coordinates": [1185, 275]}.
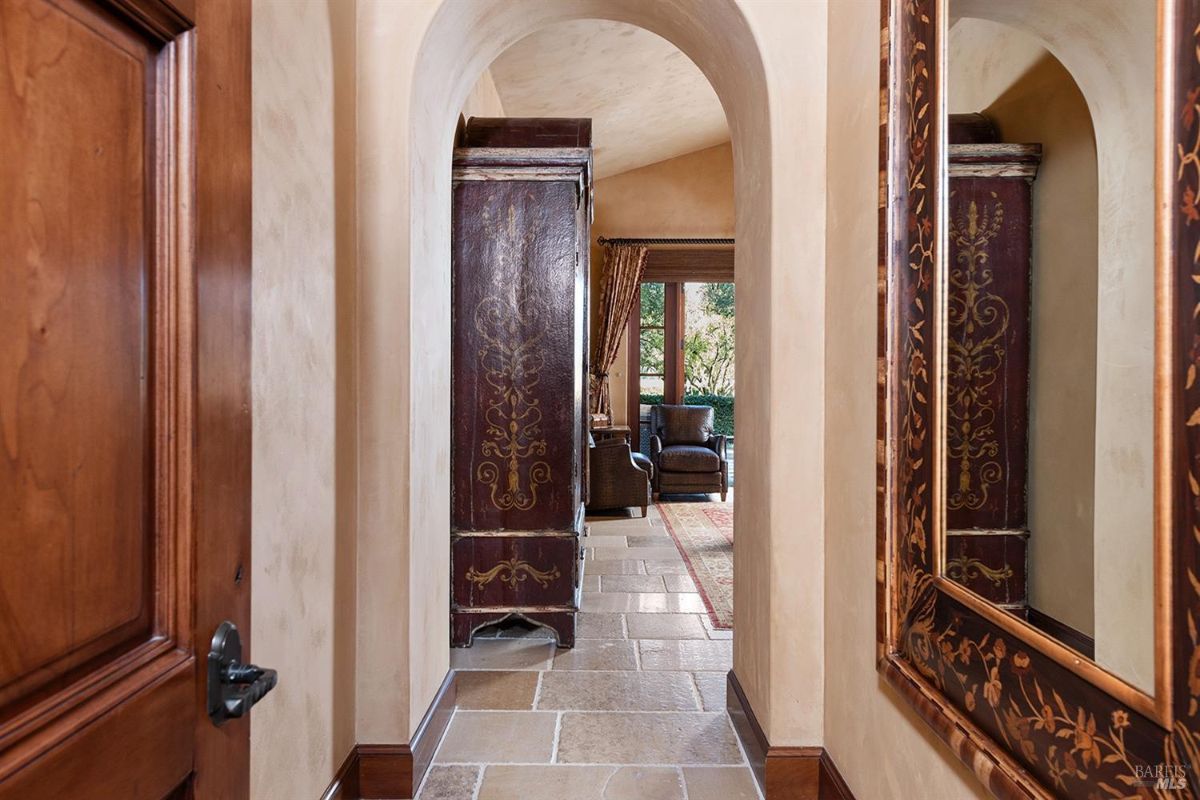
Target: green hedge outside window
{"type": "Point", "coordinates": [722, 406]}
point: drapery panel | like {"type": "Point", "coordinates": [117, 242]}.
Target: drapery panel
{"type": "Point", "coordinates": [623, 268]}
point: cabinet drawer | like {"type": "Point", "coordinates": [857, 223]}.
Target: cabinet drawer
{"type": "Point", "coordinates": [489, 571]}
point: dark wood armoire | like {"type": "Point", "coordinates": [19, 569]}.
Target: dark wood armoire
{"type": "Point", "coordinates": [987, 368]}
{"type": "Point", "coordinates": [521, 225]}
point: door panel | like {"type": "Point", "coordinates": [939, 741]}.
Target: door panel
{"type": "Point", "coordinates": [75, 580]}
{"type": "Point", "coordinates": [101, 685]}
{"type": "Point", "coordinates": [156, 724]}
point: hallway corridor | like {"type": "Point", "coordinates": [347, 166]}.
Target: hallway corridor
{"type": "Point", "coordinates": [636, 711]}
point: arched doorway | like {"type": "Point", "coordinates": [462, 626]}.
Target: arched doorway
{"type": "Point", "coordinates": [404, 209]}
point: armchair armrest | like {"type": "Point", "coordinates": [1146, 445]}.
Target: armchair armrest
{"type": "Point", "coordinates": [615, 456]}
{"type": "Point", "coordinates": [717, 445]}
{"type": "Point", "coordinates": [615, 479]}
{"type": "Point", "coordinates": [656, 447]}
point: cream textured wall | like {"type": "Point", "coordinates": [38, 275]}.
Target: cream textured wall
{"type": "Point", "coordinates": [484, 100]}
{"type": "Point", "coordinates": [303, 392]}
{"type": "Point", "coordinates": [691, 195]}
{"type": "Point", "coordinates": [882, 749]}
{"type": "Point", "coordinates": [647, 100]}
{"type": "Point", "coordinates": [1031, 97]}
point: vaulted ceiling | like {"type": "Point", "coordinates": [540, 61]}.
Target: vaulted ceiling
{"type": "Point", "coordinates": [648, 101]}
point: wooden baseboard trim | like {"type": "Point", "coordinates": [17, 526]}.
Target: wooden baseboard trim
{"type": "Point", "coordinates": [783, 773]}
{"type": "Point", "coordinates": [395, 771]}
{"type": "Point", "coordinates": [345, 781]}
{"type": "Point", "coordinates": [384, 771]}
{"type": "Point", "coordinates": [745, 725]}
{"type": "Point", "coordinates": [833, 785]}
{"type": "Point", "coordinates": [431, 730]}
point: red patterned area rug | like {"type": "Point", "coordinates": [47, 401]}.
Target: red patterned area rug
{"type": "Point", "coordinates": [703, 532]}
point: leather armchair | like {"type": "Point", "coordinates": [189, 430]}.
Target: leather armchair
{"type": "Point", "coordinates": [688, 457]}
{"type": "Point", "coordinates": [618, 478]}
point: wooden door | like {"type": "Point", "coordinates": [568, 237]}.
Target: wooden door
{"type": "Point", "coordinates": [124, 428]}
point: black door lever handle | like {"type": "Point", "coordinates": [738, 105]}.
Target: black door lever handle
{"type": "Point", "coordinates": [240, 700]}
{"type": "Point", "coordinates": [233, 687]}
{"type": "Point", "coordinates": [244, 673]}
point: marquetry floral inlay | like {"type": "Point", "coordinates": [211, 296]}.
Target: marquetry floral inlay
{"type": "Point", "coordinates": [1181, 748]}
{"type": "Point", "coordinates": [913, 434]}
{"type": "Point", "coordinates": [1034, 720]}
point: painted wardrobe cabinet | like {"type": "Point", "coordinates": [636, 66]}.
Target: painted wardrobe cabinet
{"type": "Point", "coordinates": [987, 375]}
{"type": "Point", "coordinates": [521, 226]}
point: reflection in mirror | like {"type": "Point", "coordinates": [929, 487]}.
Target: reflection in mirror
{"type": "Point", "coordinates": [1049, 321]}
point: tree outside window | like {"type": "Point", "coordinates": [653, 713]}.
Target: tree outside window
{"type": "Point", "coordinates": [708, 348]}
{"type": "Point", "coordinates": [708, 339]}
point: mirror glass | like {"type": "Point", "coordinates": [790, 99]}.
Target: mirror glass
{"type": "Point", "coordinates": [1048, 303]}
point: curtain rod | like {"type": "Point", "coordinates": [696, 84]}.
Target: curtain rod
{"type": "Point", "coordinates": [603, 241]}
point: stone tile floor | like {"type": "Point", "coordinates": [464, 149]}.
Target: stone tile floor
{"type": "Point", "coordinates": [636, 711]}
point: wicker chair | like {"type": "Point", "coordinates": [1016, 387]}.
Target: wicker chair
{"type": "Point", "coordinates": [618, 478]}
{"type": "Point", "coordinates": [688, 457]}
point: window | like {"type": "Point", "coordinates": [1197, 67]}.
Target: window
{"type": "Point", "coordinates": [681, 350]}
{"type": "Point", "coordinates": [652, 362]}
{"type": "Point", "coordinates": [655, 353]}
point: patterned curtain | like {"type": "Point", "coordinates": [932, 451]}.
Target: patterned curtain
{"type": "Point", "coordinates": [623, 268]}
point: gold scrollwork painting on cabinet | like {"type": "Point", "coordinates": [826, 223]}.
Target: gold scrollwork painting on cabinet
{"type": "Point", "coordinates": [512, 572]}
{"type": "Point", "coordinates": [974, 358]}
{"type": "Point", "coordinates": [965, 568]}
{"type": "Point", "coordinates": [512, 364]}
{"type": "Point", "coordinates": [1031, 717]}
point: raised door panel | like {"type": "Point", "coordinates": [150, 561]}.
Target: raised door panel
{"type": "Point", "coordinates": [75, 477]}
{"type": "Point", "coordinates": [96, 349]}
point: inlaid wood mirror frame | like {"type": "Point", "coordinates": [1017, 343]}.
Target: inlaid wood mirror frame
{"type": "Point", "coordinates": [1030, 716]}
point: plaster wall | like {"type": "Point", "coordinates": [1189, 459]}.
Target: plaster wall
{"type": "Point", "coordinates": [484, 100]}
{"type": "Point", "coordinates": [1009, 76]}
{"type": "Point", "coordinates": [647, 100]}
{"type": "Point", "coordinates": [690, 195]}
{"type": "Point", "coordinates": [881, 747]}
{"type": "Point", "coordinates": [303, 498]}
